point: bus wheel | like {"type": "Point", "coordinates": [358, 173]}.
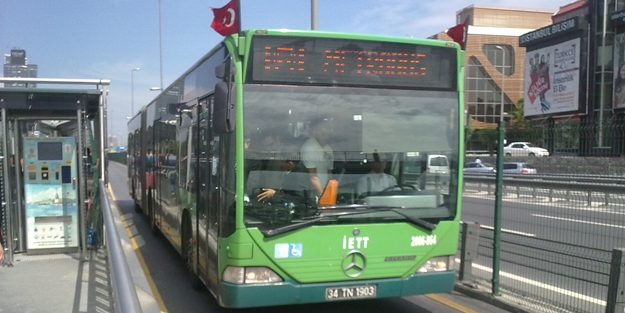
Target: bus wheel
{"type": "Point", "coordinates": [189, 253]}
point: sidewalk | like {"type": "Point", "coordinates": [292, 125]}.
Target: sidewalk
{"type": "Point", "coordinates": [56, 283]}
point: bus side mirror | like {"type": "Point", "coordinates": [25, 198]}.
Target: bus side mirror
{"type": "Point", "coordinates": [220, 71]}
{"type": "Point", "coordinates": [224, 108]}
{"type": "Point", "coordinates": [225, 70]}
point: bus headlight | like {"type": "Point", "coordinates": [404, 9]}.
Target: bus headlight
{"type": "Point", "coordinates": [437, 264]}
{"type": "Point", "coordinates": [250, 275]}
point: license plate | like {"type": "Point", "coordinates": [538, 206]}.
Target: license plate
{"type": "Point", "coordinates": [351, 292]}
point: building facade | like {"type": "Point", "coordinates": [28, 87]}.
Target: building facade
{"type": "Point", "coordinates": [494, 60]}
{"type": "Point", "coordinates": [16, 65]}
{"type": "Point", "coordinates": [586, 78]}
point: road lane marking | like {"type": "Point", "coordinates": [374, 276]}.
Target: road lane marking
{"type": "Point", "coordinates": [540, 285]}
{"type": "Point", "coordinates": [508, 231]}
{"type": "Point", "coordinates": [450, 303]}
{"type": "Point", "coordinates": [157, 295]}
{"type": "Point", "coordinates": [578, 221]}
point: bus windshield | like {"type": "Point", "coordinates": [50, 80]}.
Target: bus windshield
{"type": "Point", "coordinates": [362, 146]}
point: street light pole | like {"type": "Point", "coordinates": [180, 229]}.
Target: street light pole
{"type": "Point", "coordinates": [503, 68]}
{"type": "Point", "coordinates": [499, 187]}
{"type": "Point", "coordinates": [132, 91]}
{"type": "Point", "coordinates": [160, 43]}
{"type": "Point", "coordinates": [313, 14]}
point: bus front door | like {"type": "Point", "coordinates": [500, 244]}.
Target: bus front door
{"type": "Point", "coordinates": [207, 218]}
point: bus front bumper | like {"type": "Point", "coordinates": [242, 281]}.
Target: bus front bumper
{"type": "Point", "coordinates": [244, 296]}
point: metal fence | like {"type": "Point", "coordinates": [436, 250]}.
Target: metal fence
{"type": "Point", "coordinates": [124, 292]}
{"type": "Point", "coordinates": [558, 231]}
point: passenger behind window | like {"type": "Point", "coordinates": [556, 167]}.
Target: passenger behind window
{"type": "Point", "coordinates": [317, 155]}
{"type": "Point", "coordinates": [376, 180]}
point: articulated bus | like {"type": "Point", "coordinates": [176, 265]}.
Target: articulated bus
{"type": "Point", "coordinates": [288, 166]}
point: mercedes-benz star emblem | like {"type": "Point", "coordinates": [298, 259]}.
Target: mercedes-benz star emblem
{"type": "Point", "coordinates": [354, 263]}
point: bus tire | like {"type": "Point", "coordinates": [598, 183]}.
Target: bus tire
{"type": "Point", "coordinates": [188, 255]}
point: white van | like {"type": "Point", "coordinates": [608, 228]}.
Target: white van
{"type": "Point", "coordinates": [437, 164]}
{"type": "Point", "coordinates": [436, 171]}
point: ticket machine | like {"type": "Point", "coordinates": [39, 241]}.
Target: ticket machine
{"type": "Point", "coordinates": [50, 193]}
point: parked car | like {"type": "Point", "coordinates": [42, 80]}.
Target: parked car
{"type": "Point", "coordinates": [478, 167]}
{"type": "Point", "coordinates": [518, 168]}
{"type": "Point", "coordinates": [524, 149]}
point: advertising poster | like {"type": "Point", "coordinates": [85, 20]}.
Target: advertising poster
{"type": "Point", "coordinates": [619, 72]}
{"type": "Point", "coordinates": [52, 216]}
{"type": "Point", "coordinates": [552, 79]}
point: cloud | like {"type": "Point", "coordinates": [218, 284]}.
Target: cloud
{"type": "Point", "coordinates": [422, 19]}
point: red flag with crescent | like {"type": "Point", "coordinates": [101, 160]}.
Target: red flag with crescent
{"type": "Point", "coordinates": [459, 33]}
{"type": "Point", "coordinates": [226, 19]}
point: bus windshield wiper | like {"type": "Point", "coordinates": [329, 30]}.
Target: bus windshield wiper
{"type": "Point", "coordinates": [415, 220]}
{"type": "Point", "coordinates": [377, 208]}
{"type": "Point", "coordinates": [367, 209]}
{"type": "Point", "coordinates": [288, 228]}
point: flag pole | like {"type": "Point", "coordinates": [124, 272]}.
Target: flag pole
{"type": "Point", "coordinates": [239, 17]}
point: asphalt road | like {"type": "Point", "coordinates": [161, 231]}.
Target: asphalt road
{"type": "Point", "coordinates": [167, 272]}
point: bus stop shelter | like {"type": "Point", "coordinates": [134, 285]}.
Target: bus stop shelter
{"type": "Point", "coordinates": [52, 138]}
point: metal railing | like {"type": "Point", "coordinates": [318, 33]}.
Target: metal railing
{"type": "Point", "coordinates": [124, 292]}
{"type": "Point", "coordinates": [592, 187]}
{"type": "Point", "coordinates": [559, 235]}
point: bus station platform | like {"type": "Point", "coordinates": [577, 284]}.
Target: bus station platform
{"type": "Point", "coordinates": [56, 283]}
{"type": "Point", "coordinates": [73, 282]}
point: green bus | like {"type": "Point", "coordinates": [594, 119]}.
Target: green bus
{"type": "Point", "coordinates": [282, 166]}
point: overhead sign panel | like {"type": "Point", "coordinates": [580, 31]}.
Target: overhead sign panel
{"type": "Point", "coordinates": [549, 32]}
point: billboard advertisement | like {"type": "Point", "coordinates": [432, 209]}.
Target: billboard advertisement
{"type": "Point", "coordinates": [552, 79]}
{"type": "Point", "coordinates": [619, 72]}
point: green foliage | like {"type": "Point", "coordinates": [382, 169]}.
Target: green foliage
{"type": "Point", "coordinates": [469, 130]}
{"type": "Point", "coordinates": [488, 137]}
{"type": "Point", "coordinates": [517, 117]}
{"type": "Point", "coordinates": [119, 157]}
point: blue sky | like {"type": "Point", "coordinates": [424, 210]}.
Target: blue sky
{"type": "Point", "coordinates": [105, 39]}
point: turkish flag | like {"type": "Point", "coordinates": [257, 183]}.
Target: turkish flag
{"type": "Point", "coordinates": [226, 19]}
{"type": "Point", "coordinates": [459, 33]}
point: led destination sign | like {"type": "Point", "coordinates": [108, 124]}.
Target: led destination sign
{"type": "Point", "coordinates": [352, 62]}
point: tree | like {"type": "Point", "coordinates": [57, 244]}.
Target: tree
{"type": "Point", "coordinates": [488, 137]}
{"type": "Point", "coordinates": [468, 130]}
{"type": "Point", "coordinates": [517, 117]}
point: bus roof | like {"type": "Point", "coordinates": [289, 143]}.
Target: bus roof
{"type": "Point", "coordinates": [359, 36]}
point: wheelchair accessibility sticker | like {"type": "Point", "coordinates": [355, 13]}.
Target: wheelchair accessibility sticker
{"type": "Point", "coordinates": [287, 250]}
